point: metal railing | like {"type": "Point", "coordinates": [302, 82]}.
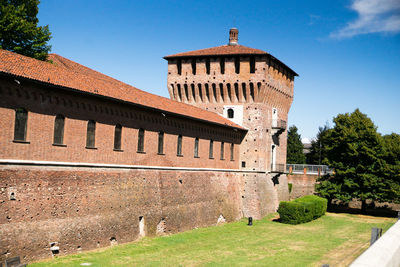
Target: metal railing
{"type": "Point", "coordinates": [308, 169]}
{"type": "Point", "coordinates": [279, 124]}
{"type": "Point", "coordinates": [278, 168]}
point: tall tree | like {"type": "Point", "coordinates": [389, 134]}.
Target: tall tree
{"type": "Point", "coordinates": [355, 150]}
{"type": "Point", "coordinates": [294, 147]}
{"type": "Point", "coordinates": [317, 153]}
{"type": "Point", "coordinates": [19, 30]}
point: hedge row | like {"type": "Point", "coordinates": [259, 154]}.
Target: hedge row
{"type": "Point", "coordinates": [301, 210]}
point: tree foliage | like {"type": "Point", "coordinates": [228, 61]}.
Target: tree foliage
{"type": "Point", "coordinates": [357, 152]}
{"type": "Point", "coordinates": [294, 147]}
{"type": "Point", "coordinates": [19, 30]}
{"type": "Point", "coordinates": [317, 153]}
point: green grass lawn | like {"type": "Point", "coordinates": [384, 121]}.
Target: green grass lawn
{"type": "Point", "coordinates": [336, 239]}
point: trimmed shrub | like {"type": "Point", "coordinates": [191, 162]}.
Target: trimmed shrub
{"type": "Point", "coordinates": [301, 210]}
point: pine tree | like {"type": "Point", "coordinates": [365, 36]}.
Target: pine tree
{"type": "Point", "coordinates": [317, 153]}
{"type": "Point", "coordinates": [294, 147]}
{"type": "Point", "coordinates": [355, 150]}
{"type": "Point", "coordinates": [19, 30]}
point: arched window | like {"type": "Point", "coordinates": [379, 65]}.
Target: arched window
{"type": "Point", "coordinates": [21, 118]}
{"type": "Point", "coordinates": [140, 147]}
{"type": "Point", "coordinates": [117, 137]}
{"type": "Point", "coordinates": [211, 151]}
{"type": "Point", "coordinates": [90, 134]}
{"type": "Point", "coordinates": [232, 150]}
{"type": "Point", "coordinates": [58, 138]}
{"type": "Point", "coordinates": [179, 146]}
{"type": "Point", "coordinates": [196, 147]}
{"type": "Point", "coordinates": [161, 143]}
{"type": "Point", "coordinates": [222, 151]}
{"type": "Point", "coordinates": [230, 113]}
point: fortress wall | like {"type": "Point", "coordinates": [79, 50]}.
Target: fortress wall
{"type": "Point", "coordinates": [85, 208]}
{"type": "Point", "coordinates": [303, 184]}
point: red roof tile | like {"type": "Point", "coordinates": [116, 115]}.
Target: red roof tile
{"type": "Point", "coordinates": [66, 73]}
{"type": "Point", "coordinates": [221, 50]}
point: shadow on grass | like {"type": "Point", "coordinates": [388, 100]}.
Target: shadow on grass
{"type": "Point", "coordinates": [371, 211]}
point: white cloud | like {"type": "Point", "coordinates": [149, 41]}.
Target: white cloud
{"type": "Point", "coordinates": [374, 16]}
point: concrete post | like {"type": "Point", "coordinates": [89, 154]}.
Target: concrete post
{"type": "Point", "coordinates": [375, 234]}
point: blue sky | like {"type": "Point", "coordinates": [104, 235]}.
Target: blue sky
{"type": "Point", "coordinates": [346, 52]}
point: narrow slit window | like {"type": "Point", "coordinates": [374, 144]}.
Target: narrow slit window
{"type": "Point", "coordinates": [58, 137]}
{"type": "Point", "coordinates": [173, 91]}
{"type": "Point", "coordinates": [237, 91]}
{"type": "Point", "coordinates": [186, 91]}
{"type": "Point", "coordinates": [200, 92]}
{"type": "Point", "coordinates": [222, 150]}
{"type": "Point", "coordinates": [237, 65]}
{"type": "Point", "coordinates": [231, 113]}
{"type": "Point", "coordinates": [244, 91]}
{"type": "Point", "coordinates": [21, 118]}
{"type": "Point", "coordinates": [207, 92]}
{"type": "Point", "coordinates": [179, 66]}
{"type": "Point", "coordinates": [252, 65]}
{"type": "Point", "coordinates": [214, 88]}
{"type": "Point", "coordinates": [179, 92]}
{"type": "Point", "coordinates": [211, 152]}
{"type": "Point", "coordinates": [252, 91]}
{"type": "Point", "coordinates": [193, 92]}
{"type": "Point", "coordinates": [194, 66]}
{"type": "Point", "coordinates": [208, 66]}
{"type": "Point", "coordinates": [232, 151]}
{"type": "Point", "coordinates": [221, 91]}
{"type": "Point", "coordinates": [196, 147]}
{"type": "Point", "coordinates": [161, 143]}
{"type": "Point", "coordinates": [222, 65]}
{"type": "Point", "coordinates": [117, 137]}
{"type": "Point", "coordinates": [179, 146]}
{"type": "Point", "coordinates": [91, 134]}
{"type": "Point", "coordinates": [140, 147]}
{"type": "Point", "coordinates": [229, 91]}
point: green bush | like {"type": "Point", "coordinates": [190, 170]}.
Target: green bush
{"type": "Point", "coordinates": [290, 186]}
{"type": "Point", "coordinates": [302, 209]}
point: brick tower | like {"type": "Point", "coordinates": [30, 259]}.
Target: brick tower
{"type": "Point", "coordinates": [253, 89]}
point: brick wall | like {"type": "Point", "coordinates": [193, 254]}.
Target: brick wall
{"type": "Point", "coordinates": [303, 184]}
{"type": "Point", "coordinates": [44, 103]}
{"type": "Point", "coordinates": [85, 208]}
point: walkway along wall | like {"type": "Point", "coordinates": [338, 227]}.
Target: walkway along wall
{"type": "Point", "coordinates": [78, 207]}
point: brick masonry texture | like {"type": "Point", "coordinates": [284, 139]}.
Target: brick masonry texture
{"type": "Point", "coordinates": [303, 184]}
{"type": "Point", "coordinates": [47, 197]}
{"type": "Point", "coordinates": [84, 208]}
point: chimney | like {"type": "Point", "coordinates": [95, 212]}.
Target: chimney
{"type": "Point", "coordinates": [233, 36]}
